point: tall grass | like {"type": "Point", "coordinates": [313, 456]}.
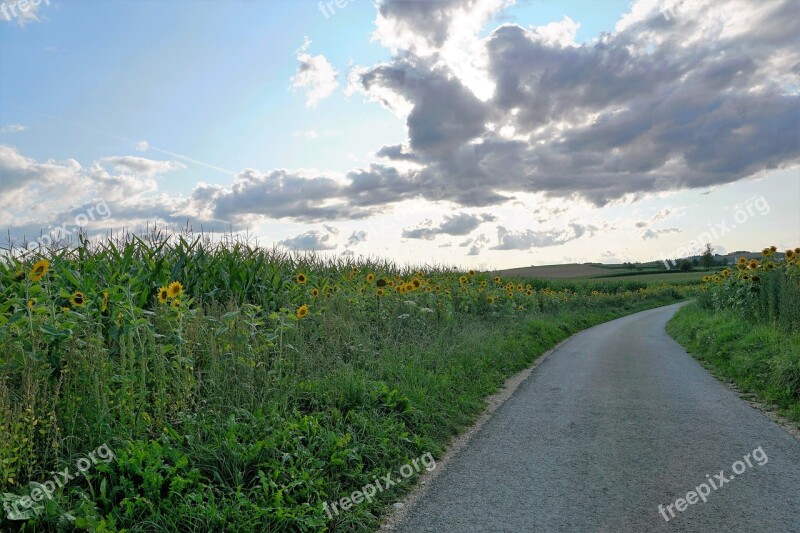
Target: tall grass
{"type": "Point", "coordinates": [264, 385]}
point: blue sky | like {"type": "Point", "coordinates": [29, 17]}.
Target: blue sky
{"type": "Point", "coordinates": [173, 101]}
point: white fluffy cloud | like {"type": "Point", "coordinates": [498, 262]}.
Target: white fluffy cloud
{"type": "Point", "coordinates": [315, 75]}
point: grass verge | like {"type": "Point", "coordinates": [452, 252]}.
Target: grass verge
{"type": "Point", "coordinates": [759, 358]}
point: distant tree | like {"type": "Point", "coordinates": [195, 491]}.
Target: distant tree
{"type": "Point", "coordinates": [696, 262]}
{"type": "Point", "coordinates": [685, 265]}
{"type": "Point", "coordinates": [707, 259]}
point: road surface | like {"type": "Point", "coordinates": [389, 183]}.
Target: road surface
{"type": "Point", "coordinates": [616, 422]}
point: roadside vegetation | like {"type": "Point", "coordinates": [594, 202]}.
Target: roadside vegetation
{"type": "Point", "coordinates": [240, 389]}
{"type": "Point", "coordinates": [746, 324]}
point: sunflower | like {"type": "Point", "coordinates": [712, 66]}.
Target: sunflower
{"type": "Point", "coordinates": [773, 249]}
{"type": "Point", "coordinates": [756, 278]}
{"type": "Point", "coordinates": [753, 264]}
{"type": "Point", "coordinates": [301, 278]}
{"type": "Point", "coordinates": [175, 289]}
{"type": "Point", "coordinates": [39, 270]}
{"type": "Point", "coordinates": [31, 303]}
{"type": "Point", "coordinates": [519, 287]}
{"type": "Point", "coordinates": [410, 286]}
{"type": "Point", "coordinates": [497, 279]}
{"type": "Point", "coordinates": [379, 292]}
{"type": "Point", "coordinates": [490, 300]}
{"type": "Point", "coordinates": [417, 283]}
{"type": "Point", "coordinates": [789, 254]}
{"type": "Point", "coordinates": [765, 251]}
{"type": "Point", "coordinates": [471, 272]}
{"type": "Point", "coordinates": [302, 311]}
{"type": "Point", "coordinates": [483, 283]}
{"type": "Point", "coordinates": [176, 302]}
{"type": "Point", "coordinates": [381, 283]}
{"type": "Point", "coordinates": [19, 275]}
{"type": "Point", "coordinates": [797, 250]}
{"type": "Point", "coordinates": [742, 260]}
{"type": "Point", "coordinates": [315, 292]}
{"type": "Point", "coordinates": [528, 292]}
{"type": "Point", "coordinates": [78, 299]}
{"type": "Point", "coordinates": [370, 278]}
{"type": "Point", "coordinates": [437, 288]}
{"type": "Point", "coordinates": [163, 295]}
{"type": "Point", "coordinates": [462, 279]}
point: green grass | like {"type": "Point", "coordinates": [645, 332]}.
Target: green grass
{"type": "Point", "coordinates": [758, 357]}
{"type": "Point", "coordinates": [657, 276]}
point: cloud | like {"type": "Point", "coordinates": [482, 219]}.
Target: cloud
{"type": "Point", "coordinates": [315, 75]}
{"type": "Point", "coordinates": [140, 165]}
{"type": "Point", "coordinates": [460, 224]}
{"type": "Point", "coordinates": [634, 112]}
{"type": "Point", "coordinates": [13, 128]}
{"type": "Point", "coordinates": [356, 238]}
{"type": "Point", "coordinates": [525, 240]}
{"type": "Point", "coordinates": [311, 241]}
{"type": "Point", "coordinates": [655, 234]}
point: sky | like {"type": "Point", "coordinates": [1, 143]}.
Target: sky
{"type": "Point", "coordinates": [477, 133]}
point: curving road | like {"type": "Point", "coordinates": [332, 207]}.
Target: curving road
{"type": "Point", "coordinates": [615, 422]}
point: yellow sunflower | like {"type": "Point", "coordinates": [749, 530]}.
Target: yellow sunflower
{"type": "Point", "coordinates": [78, 299]}
{"type": "Point", "coordinates": [176, 302]}
{"type": "Point", "coordinates": [471, 272]}
{"type": "Point", "coordinates": [497, 279]}
{"type": "Point", "coordinates": [789, 254]}
{"type": "Point", "coordinates": [19, 275]}
{"type": "Point", "coordinates": [39, 270]}
{"type": "Point", "coordinates": [163, 295]}
{"type": "Point", "coordinates": [31, 303]}
{"type": "Point", "coordinates": [301, 278]}
{"type": "Point", "coordinates": [753, 264]}
{"type": "Point", "coordinates": [417, 283]}
{"type": "Point", "coordinates": [370, 278]}
{"type": "Point", "coordinates": [315, 292]}
{"type": "Point", "coordinates": [773, 249]}
{"type": "Point", "coordinates": [302, 311]}
{"type": "Point", "coordinates": [382, 283]}
{"type": "Point", "coordinates": [462, 279]}
{"type": "Point", "coordinates": [490, 300]}
{"type": "Point", "coordinates": [175, 289]}
{"type": "Point", "coordinates": [379, 292]}
{"type": "Point", "coordinates": [742, 260]}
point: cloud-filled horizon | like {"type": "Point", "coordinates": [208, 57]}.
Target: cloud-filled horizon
{"type": "Point", "coordinates": [522, 143]}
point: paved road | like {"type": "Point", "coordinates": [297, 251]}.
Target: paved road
{"type": "Point", "coordinates": [615, 422]}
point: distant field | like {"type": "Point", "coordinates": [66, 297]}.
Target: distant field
{"type": "Point", "coordinates": [659, 276]}
{"type": "Point", "coordinates": [600, 273]}
{"type": "Point", "coordinates": [556, 272]}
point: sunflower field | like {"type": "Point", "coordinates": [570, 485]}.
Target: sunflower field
{"type": "Point", "coordinates": [746, 325]}
{"type": "Point", "coordinates": [241, 388]}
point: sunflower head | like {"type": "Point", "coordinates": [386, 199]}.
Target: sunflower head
{"type": "Point", "coordinates": [39, 270]}
{"type": "Point", "coordinates": [528, 292]}
{"type": "Point", "coordinates": [753, 264]}
{"type": "Point", "coordinates": [756, 278]}
{"type": "Point", "coordinates": [379, 292]}
{"type": "Point", "coordinates": [381, 283]}
{"type": "Point", "coordinates": [490, 300]}
{"type": "Point", "coordinates": [31, 303]}
{"type": "Point", "coordinates": [370, 278]}
{"type": "Point", "coordinates": [773, 249]}
{"type": "Point", "coordinates": [301, 278]}
{"type": "Point", "coordinates": [163, 295]}
{"type": "Point", "coordinates": [410, 286]}
{"type": "Point", "coordinates": [471, 272]}
{"type": "Point", "coordinates": [789, 254]}
{"type": "Point", "coordinates": [315, 292]}
{"type": "Point", "coordinates": [765, 251]}
{"type": "Point", "coordinates": [497, 279]}
{"type": "Point", "coordinates": [462, 279]}
{"type": "Point", "coordinates": [302, 311]}
{"type": "Point", "coordinates": [742, 260]}
{"type": "Point", "coordinates": [176, 303]}
{"type": "Point", "coordinates": [175, 289]}
{"type": "Point", "coordinates": [19, 275]}
{"type": "Point", "coordinates": [417, 283]}
{"type": "Point", "coordinates": [78, 299]}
